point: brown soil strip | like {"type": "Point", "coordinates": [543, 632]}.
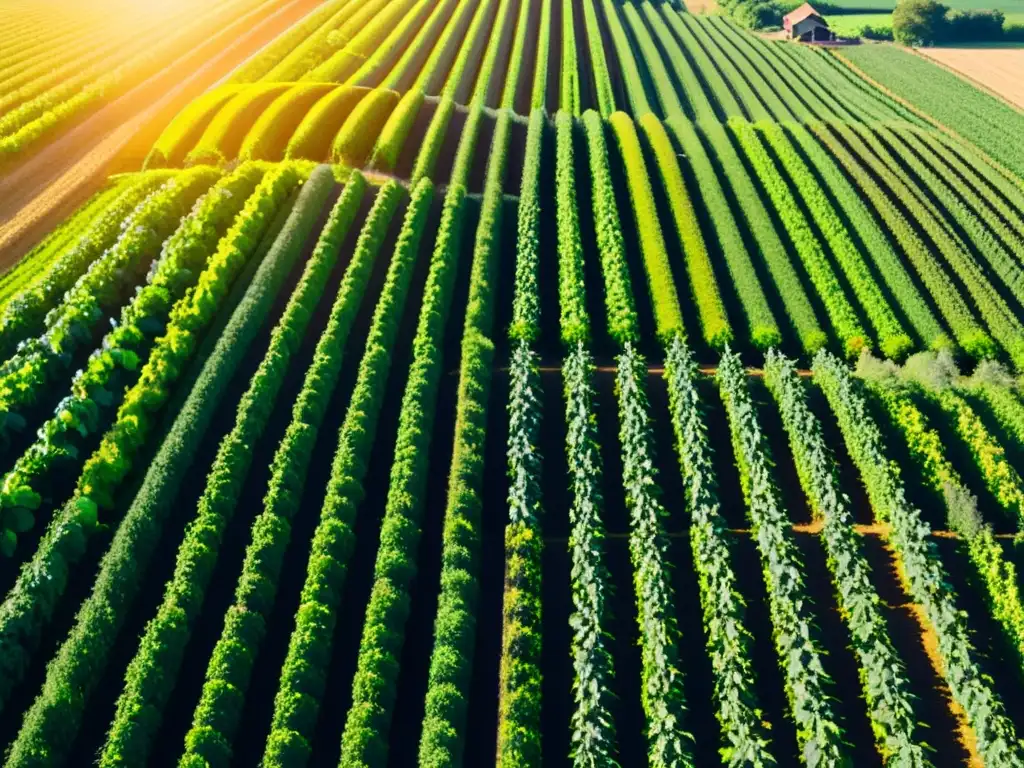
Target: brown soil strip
{"type": "Point", "coordinates": [50, 184]}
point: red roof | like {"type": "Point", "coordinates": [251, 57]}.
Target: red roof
{"type": "Point", "coordinates": [805, 11]}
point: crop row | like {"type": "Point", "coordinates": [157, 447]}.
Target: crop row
{"type": "Point", "coordinates": [519, 711]}
{"type": "Point", "coordinates": [745, 742]}
{"type": "Point", "coordinates": [808, 685]}
{"type": "Point", "coordinates": [920, 567]}
{"type": "Point", "coordinates": [161, 649]}
{"type": "Point", "coordinates": [926, 449]}
{"type": "Point", "coordinates": [51, 723]}
{"type": "Point", "coordinates": [883, 675]}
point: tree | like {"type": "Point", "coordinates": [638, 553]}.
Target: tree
{"type": "Point", "coordinates": [919, 22]}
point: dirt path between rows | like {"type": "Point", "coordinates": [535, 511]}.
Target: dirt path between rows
{"type": "Point", "coordinates": [49, 185]}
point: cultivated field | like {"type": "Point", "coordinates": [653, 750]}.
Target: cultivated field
{"type": "Point", "coordinates": [520, 382]}
{"type": "Point", "coordinates": [998, 69]}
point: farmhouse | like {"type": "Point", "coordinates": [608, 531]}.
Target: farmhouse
{"type": "Point", "coordinates": [806, 24]}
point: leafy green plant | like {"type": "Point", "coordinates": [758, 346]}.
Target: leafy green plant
{"type": "Point", "coordinates": [808, 685]}
{"type": "Point", "coordinates": [920, 566]}
{"type": "Point", "coordinates": [745, 742]}
{"type": "Point", "coordinates": [882, 673]}
{"type": "Point", "coordinates": [151, 675]}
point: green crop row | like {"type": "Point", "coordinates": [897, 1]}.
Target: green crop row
{"type": "Point", "coordinates": [764, 331]}
{"type": "Point", "coordinates": [574, 321]}
{"type": "Point", "coordinates": [888, 262]}
{"type": "Point", "coordinates": [318, 23]}
{"type": "Point", "coordinates": [138, 414]}
{"type": "Point", "coordinates": [661, 679]}
{"type": "Point", "coordinates": [396, 130]}
{"type": "Point", "coordinates": [668, 318]}
{"type": "Point", "coordinates": [25, 314]}
{"type": "Point", "coordinates": [628, 66]}
{"type": "Point", "coordinates": [223, 137]}
{"type": "Point", "coordinates": [808, 685]}
{"type": "Point", "coordinates": [569, 92]}
{"type": "Point", "coordinates": [947, 97]}
{"type": "Point", "coordinates": [451, 662]}
{"type": "Point", "coordinates": [882, 673]}
{"type": "Point", "coordinates": [926, 448]}
{"type": "Point", "coordinates": [150, 677]}
{"type": "Point", "coordinates": [844, 318]}
{"type": "Point", "coordinates": [713, 320]}
{"type": "Point", "coordinates": [519, 708]}
{"type": "Point", "coordinates": [1003, 324]}
{"type": "Point", "coordinates": [526, 302]}
{"type": "Point", "coordinates": [745, 741]}
{"type": "Point", "coordinates": [593, 728]}
{"type": "Point", "coordinates": [787, 282]}
{"type": "Point", "coordinates": [96, 388]}
{"type": "Point", "coordinates": [893, 340]}
{"type": "Point", "coordinates": [229, 671]}
{"type": "Point", "coordinates": [49, 728]}
{"type": "Point", "coordinates": [986, 230]}
{"type": "Point", "coordinates": [954, 309]}
{"type": "Point", "coordinates": [358, 134]}
{"type": "Point", "coordinates": [414, 69]}
{"type": "Point", "coordinates": [920, 566]}
{"type": "Point", "coordinates": [31, 269]}
{"type": "Point", "coordinates": [314, 136]}
{"type": "Point", "coordinates": [519, 697]}
{"type": "Point", "coordinates": [623, 325]}
{"type": "Point", "coordinates": [101, 290]}
{"type": "Point", "coordinates": [273, 129]}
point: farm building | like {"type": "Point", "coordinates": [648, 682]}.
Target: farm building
{"type": "Point", "coordinates": [806, 24]}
